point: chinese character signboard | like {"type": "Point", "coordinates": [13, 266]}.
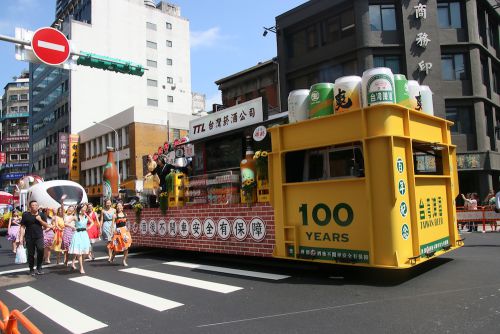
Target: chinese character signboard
{"type": "Point", "coordinates": [15, 165]}
{"type": "Point", "coordinates": [13, 176]}
{"type": "Point", "coordinates": [63, 150]}
{"type": "Point", "coordinates": [74, 159]}
{"type": "Point", "coordinates": [468, 161]}
{"type": "Point", "coordinates": [422, 39]}
{"type": "Point", "coordinates": [236, 117]}
{"type": "Point", "coordinates": [3, 157]}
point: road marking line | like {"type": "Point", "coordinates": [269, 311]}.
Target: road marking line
{"type": "Point", "coordinates": [135, 296]}
{"type": "Point", "coordinates": [51, 46]}
{"type": "Point", "coordinates": [24, 269]}
{"type": "Point", "coordinates": [228, 270]}
{"type": "Point", "coordinates": [375, 301]}
{"type": "Point", "coordinates": [284, 314]}
{"type": "Point", "coordinates": [69, 318]}
{"type": "Point", "coordinates": [201, 284]}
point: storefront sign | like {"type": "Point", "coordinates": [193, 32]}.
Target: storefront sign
{"type": "Point", "coordinates": [13, 165]}
{"type": "Point", "coordinates": [424, 67]}
{"type": "Point", "coordinates": [236, 117]}
{"type": "Point", "coordinates": [3, 158]}
{"type": "Point", "coordinates": [74, 159]}
{"type": "Point", "coordinates": [420, 11]}
{"type": "Point", "coordinates": [259, 133]}
{"type": "Point", "coordinates": [422, 39]}
{"type": "Point", "coordinates": [13, 176]}
{"type": "Point", "coordinates": [468, 161]}
{"type": "Point", "coordinates": [63, 150]}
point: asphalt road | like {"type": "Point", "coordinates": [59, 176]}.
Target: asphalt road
{"type": "Point", "coordinates": [458, 293]}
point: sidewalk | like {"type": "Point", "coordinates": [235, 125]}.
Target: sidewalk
{"type": "Point", "coordinates": [480, 229]}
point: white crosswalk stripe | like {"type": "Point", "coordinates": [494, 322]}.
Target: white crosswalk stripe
{"type": "Point", "coordinates": [75, 321]}
{"type": "Point", "coordinates": [135, 296]}
{"type": "Point", "coordinates": [224, 270]}
{"type": "Point", "coordinates": [201, 284]}
{"type": "Point", "coordinates": [67, 317]}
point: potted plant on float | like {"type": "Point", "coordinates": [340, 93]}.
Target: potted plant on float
{"type": "Point", "coordinates": [247, 187]}
{"type": "Point", "coordinates": [163, 202]}
{"type": "Point", "coordinates": [262, 175]}
{"type": "Point", "coordinates": [138, 211]}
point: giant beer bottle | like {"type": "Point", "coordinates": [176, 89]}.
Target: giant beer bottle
{"type": "Point", "coordinates": [110, 176]}
{"type": "Point", "coordinates": [247, 167]}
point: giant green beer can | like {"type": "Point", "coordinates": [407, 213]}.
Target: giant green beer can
{"type": "Point", "coordinates": [321, 100]}
{"type": "Point", "coordinates": [402, 95]}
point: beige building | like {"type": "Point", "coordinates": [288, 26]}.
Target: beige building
{"type": "Point", "coordinates": [138, 133]}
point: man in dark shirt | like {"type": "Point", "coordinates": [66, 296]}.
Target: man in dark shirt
{"type": "Point", "coordinates": [33, 221]}
{"type": "Point", "coordinates": [163, 169]}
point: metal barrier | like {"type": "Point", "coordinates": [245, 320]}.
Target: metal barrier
{"type": "Point", "coordinates": [483, 215]}
{"type": "Point", "coordinates": [8, 324]}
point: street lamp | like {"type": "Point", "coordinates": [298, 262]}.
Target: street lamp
{"type": "Point", "coordinates": [273, 29]}
{"type": "Point", "coordinates": [117, 150]}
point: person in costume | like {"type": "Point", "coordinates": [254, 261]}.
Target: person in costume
{"type": "Point", "coordinates": [13, 230]}
{"type": "Point", "coordinates": [108, 220]}
{"type": "Point", "coordinates": [48, 236]}
{"type": "Point", "coordinates": [122, 240]}
{"type": "Point", "coordinates": [80, 242]}
{"type": "Point", "coordinates": [68, 231]}
{"type": "Point", "coordinates": [93, 228]}
{"type": "Point", "coordinates": [58, 226]}
{"type": "Point", "coordinates": [151, 179]}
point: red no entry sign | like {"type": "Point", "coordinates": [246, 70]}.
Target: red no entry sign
{"type": "Point", "coordinates": [50, 46]}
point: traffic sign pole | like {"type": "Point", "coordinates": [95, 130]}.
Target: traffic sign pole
{"type": "Point", "coordinates": [50, 46]}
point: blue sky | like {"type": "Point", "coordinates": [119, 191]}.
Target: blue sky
{"type": "Point", "coordinates": [226, 35]}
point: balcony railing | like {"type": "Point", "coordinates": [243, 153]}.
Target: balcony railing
{"type": "Point", "coordinates": [13, 139]}
{"type": "Point", "coordinates": [17, 149]}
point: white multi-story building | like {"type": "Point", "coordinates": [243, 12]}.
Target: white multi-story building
{"type": "Point", "coordinates": [139, 31]}
{"type": "Point", "coordinates": [134, 30]}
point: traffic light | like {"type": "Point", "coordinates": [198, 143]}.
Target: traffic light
{"type": "Point", "coordinates": [109, 64]}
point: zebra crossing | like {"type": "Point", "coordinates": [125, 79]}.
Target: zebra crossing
{"type": "Point", "coordinates": [74, 320]}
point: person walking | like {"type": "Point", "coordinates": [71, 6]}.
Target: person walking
{"type": "Point", "coordinates": [58, 223]}
{"type": "Point", "coordinates": [69, 230]}
{"type": "Point", "coordinates": [471, 204]}
{"type": "Point", "coordinates": [34, 221]}
{"type": "Point", "coordinates": [108, 220]}
{"type": "Point", "coordinates": [93, 228]}
{"type": "Point", "coordinates": [80, 242]}
{"type": "Point", "coordinates": [122, 240]}
{"type": "Point", "coordinates": [13, 230]}
{"type": "Point", "coordinates": [48, 236]}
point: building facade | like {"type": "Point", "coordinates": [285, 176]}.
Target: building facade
{"type": "Point", "coordinates": [260, 80]}
{"type": "Point", "coordinates": [155, 36]}
{"type": "Point", "coordinates": [451, 46]}
{"type": "Point", "coordinates": [15, 131]}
